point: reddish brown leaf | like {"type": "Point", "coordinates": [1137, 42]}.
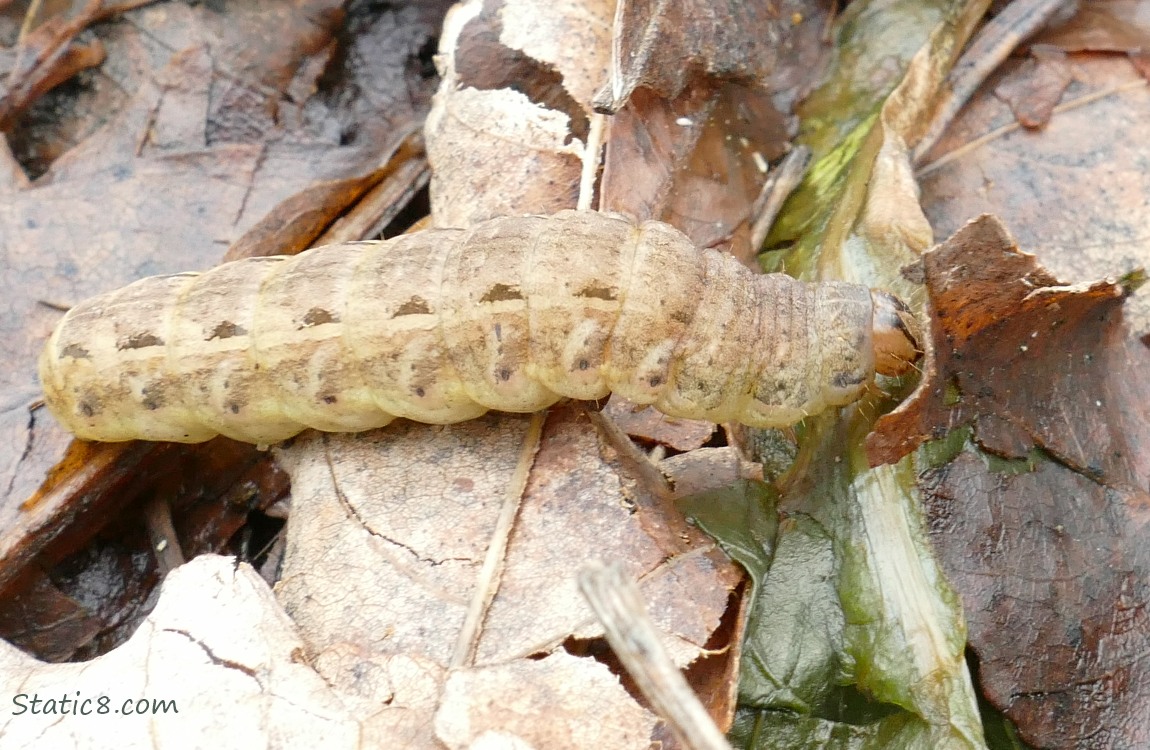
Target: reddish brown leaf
{"type": "Point", "coordinates": [1054, 573]}
{"type": "Point", "coordinates": [1048, 549]}
{"type": "Point", "coordinates": [1027, 361]}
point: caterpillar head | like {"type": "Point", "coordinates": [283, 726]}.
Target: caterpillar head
{"type": "Point", "coordinates": [897, 335]}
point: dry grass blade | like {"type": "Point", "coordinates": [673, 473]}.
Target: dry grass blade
{"type": "Point", "coordinates": [488, 583]}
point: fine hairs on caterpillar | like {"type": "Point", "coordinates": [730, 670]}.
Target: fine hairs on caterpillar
{"type": "Point", "coordinates": [442, 325]}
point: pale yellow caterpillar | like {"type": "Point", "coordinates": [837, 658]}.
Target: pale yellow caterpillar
{"type": "Point", "coordinates": [442, 325]}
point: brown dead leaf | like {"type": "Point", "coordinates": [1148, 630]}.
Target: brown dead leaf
{"type": "Point", "coordinates": [506, 135]}
{"type": "Point", "coordinates": [999, 320]}
{"type": "Point", "coordinates": [1075, 194]}
{"type": "Point", "coordinates": [390, 528]}
{"type": "Point", "coordinates": [1102, 26]}
{"type": "Point", "coordinates": [663, 45]}
{"type": "Point", "coordinates": [49, 55]}
{"type": "Point", "coordinates": [707, 470]}
{"type": "Point", "coordinates": [690, 140]}
{"type": "Point", "coordinates": [1041, 521]}
{"type": "Point", "coordinates": [647, 424]}
{"type": "Point", "coordinates": [1053, 568]}
{"type": "Point", "coordinates": [697, 162]}
{"type": "Point", "coordinates": [221, 656]}
{"type": "Point", "coordinates": [1033, 89]}
{"type": "Point", "coordinates": [500, 705]}
{"type": "Point", "coordinates": [79, 567]}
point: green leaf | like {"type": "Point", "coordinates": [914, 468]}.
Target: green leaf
{"type": "Point", "coordinates": [855, 639]}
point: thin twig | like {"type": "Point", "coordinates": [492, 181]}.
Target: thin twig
{"type": "Point", "coordinates": [1010, 127]}
{"type": "Point", "coordinates": [492, 570]}
{"type": "Point", "coordinates": [616, 600]}
{"type": "Point", "coordinates": [993, 44]}
{"type": "Point", "coordinates": [25, 29]}
{"type": "Point", "coordinates": [592, 158]}
{"type": "Point", "coordinates": [775, 192]}
{"type": "Point", "coordinates": [162, 535]}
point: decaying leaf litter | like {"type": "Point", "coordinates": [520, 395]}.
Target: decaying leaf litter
{"type": "Point", "coordinates": [233, 176]}
{"type": "Point", "coordinates": [935, 713]}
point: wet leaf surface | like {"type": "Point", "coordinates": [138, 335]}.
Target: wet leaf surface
{"type": "Point", "coordinates": [1035, 485]}
{"type": "Point", "coordinates": [1053, 569]}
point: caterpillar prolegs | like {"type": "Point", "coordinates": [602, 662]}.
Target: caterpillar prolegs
{"type": "Point", "coordinates": [442, 325]}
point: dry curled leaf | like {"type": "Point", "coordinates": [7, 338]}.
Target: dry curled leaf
{"type": "Point", "coordinates": [505, 135]}
{"type": "Point", "coordinates": [998, 320]}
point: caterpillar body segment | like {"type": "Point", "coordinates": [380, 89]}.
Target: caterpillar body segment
{"type": "Point", "coordinates": [442, 325]}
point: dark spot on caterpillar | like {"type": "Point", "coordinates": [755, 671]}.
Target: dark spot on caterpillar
{"type": "Point", "coordinates": [75, 351]}
{"type": "Point", "coordinates": [140, 341]}
{"type": "Point", "coordinates": [420, 392]}
{"type": "Point", "coordinates": [154, 397]}
{"type": "Point", "coordinates": [233, 407]}
{"type": "Point", "coordinates": [504, 374]}
{"type": "Point", "coordinates": [498, 333]}
{"type": "Point", "coordinates": [414, 306]}
{"type": "Point", "coordinates": [86, 408]}
{"type": "Point", "coordinates": [845, 379]}
{"type": "Point", "coordinates": [584, 364]}
{"type": "Point", "coordinates": [681, 317]}
{"type": "Point", "coordinates": [317, 316]}
{"type": "Point", "coordinates": [655, 381]}
{"type": "Point", "coordinates": [329, 399]}
{"type": "Point", "coordinates": [597, 292]}
{"type": "Point", "coordinates": [501, 292]}
{"type": "Point", "coordinates": [227, 330]}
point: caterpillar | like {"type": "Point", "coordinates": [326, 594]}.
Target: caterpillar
{"type": "Point", "coordinates": [442, 325]}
